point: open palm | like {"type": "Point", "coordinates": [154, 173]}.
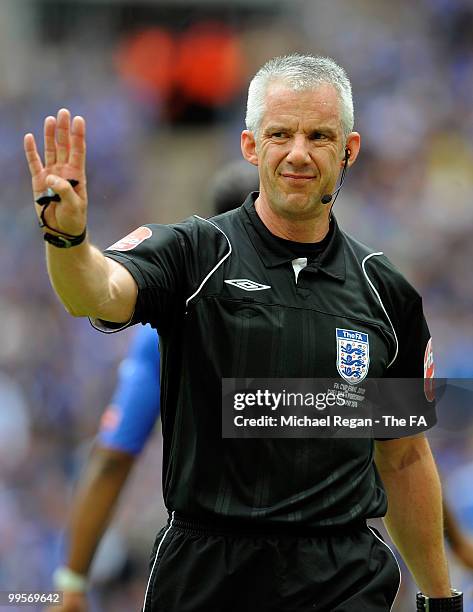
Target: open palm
{"type": "Point", "coordinates": [64, 158]}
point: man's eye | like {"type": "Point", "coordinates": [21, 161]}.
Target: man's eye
{"type": "Point", "coordinates": [317, 136]}
{"type": "Point", "coordinates": [279, 135]}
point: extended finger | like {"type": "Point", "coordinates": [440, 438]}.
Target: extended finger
{"type": "Point", "coordinates": [49, 141]}
{"type": "Point", "coordinates": [32, 156]}
{"type": "Point", "coordinates": [77, 157]}
{"type": "Point", "coordinates": [63, 122]}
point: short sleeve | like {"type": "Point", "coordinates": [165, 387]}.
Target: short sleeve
{"type": "Point", "coordinates": [406, 390]}
{"type": "Point", "coordinates": [170, 264]}
{"type": "Point", "coordinates": [414, 342]}
{"type": "Point", "coordinates": [154, 255]}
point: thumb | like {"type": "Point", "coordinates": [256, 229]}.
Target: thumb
{"type": "Point", "coordinates": [58, 184]}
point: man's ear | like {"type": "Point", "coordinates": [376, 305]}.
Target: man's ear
{"type": "Point", "coordinates": [248, 147]}
{"type": "Point", "coordinates": [353, 144]}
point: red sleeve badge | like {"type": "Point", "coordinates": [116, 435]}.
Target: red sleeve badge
{"type": "Point", "coordinates": [131, 241]}
{"type": "Point", "coordinates": [429, 372]}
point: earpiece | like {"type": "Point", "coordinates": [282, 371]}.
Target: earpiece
{"type": "Point", "coordinates": [328, 197]}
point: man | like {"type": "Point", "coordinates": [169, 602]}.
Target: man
{"type": "Point", "coordinates": [260, 293]}
{"type": "Point", "coordinates": [126, 425]}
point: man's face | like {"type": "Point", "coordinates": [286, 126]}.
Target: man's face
{"type": "Point", "coordinates": [299, 150]}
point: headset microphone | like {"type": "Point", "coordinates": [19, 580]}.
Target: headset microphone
{"type": "Point", "coordinates": [328, 197]}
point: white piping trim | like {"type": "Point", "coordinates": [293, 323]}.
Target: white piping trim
{"type": "Point", "coordinates": [381, 302]}
{"type": "Point", "coordinates": [395, 559]}
{"type": "Point", "coordinates": [215, 267]}
{"type": "Point", "coordinates": [96, 324]}
{"type": "Point", "coordinates": [156, 558]}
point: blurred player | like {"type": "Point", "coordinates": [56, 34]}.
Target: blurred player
{"type": "Point", "coordinates": [460, 542]}
{"type": "Point", "coordinates": [126, 426]}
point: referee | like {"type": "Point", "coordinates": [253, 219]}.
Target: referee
{"type": "Point", "coordinates": [272, 289]}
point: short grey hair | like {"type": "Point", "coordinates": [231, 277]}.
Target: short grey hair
{"type": "Point", "coordinates": [299, 73]}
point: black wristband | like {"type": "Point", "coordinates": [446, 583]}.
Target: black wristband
{"type": "Point", "coordinates": [440, 604]}
{"type": "Point", "coordinates": [62, 241]}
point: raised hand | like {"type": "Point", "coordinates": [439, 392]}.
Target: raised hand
{"type": "Point", "coordinates": [64, 159]}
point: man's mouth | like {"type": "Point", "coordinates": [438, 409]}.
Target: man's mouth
{"type": "Point", "coordinates": [297, 177]}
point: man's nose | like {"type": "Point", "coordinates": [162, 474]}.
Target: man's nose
{"type": "Point", "coordinates": [299, 151]}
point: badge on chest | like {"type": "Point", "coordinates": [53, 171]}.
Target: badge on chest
{"type": "Point", "coordinates": [353, 354]}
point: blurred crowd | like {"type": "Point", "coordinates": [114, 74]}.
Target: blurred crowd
{"type": "Point", "coordinates": [410, 195]}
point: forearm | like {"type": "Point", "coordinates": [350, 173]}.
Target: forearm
{"type": "Point", "coordinates": [80, 277]}
{"type": "Point", "coordinates": [414, 518]}
{"type": "Point", "coordinates": [94, 504]}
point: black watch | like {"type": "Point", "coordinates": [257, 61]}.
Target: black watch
{"type": "Point", "coordinates": [440, 604]}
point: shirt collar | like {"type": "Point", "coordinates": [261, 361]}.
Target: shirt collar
{"type": "Point", "coordinates": [331, 262]}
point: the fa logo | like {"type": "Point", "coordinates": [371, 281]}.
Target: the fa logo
{"type": "Point", "coordinates": [353, 355]}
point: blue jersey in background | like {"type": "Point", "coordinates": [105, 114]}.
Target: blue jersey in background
{"type": "Point", "coordinates": [129, 419]}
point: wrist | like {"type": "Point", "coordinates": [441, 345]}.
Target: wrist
{"type": "Point", "coordinates": [65, 579]}
{"type": "Point", "coordinates": [64, 241]}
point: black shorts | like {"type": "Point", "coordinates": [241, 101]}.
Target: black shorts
{"type": "Point", "coordinates": [204, 568]}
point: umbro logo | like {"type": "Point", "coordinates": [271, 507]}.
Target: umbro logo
{"type": "Point", "coordinates": [247, 285]}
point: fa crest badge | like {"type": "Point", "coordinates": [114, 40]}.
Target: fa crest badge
{"type": "Point", "coordinates": [353, 355]}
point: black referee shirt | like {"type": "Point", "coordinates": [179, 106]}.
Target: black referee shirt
{"type": "Point", "coordinates": [228, 300]}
